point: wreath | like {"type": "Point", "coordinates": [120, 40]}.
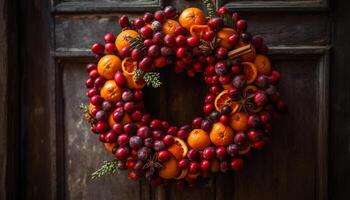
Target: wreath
{"type": "Point", "coordinates": [238, 108]}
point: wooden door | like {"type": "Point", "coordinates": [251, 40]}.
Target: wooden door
{"type": "Point", "coordinates": [60, 152]}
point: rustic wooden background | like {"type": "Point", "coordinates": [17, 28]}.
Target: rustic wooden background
{"type": "Point", "coordinates": [47, 152]}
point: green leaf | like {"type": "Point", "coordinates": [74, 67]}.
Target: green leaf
{"type": "Point", "coordinates": [108, 168]}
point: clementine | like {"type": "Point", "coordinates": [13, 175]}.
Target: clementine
{"type": "Point", "coordinates": [111, 92]}
{"type": "Point", "coordinates": [223, 99]}
{"type": "Point", "coordinates": [250, 71]}
{"type": "Point", "coordinates": [108, 65]}
{"type": "Point", "coordinates": [126, 119]}
{"type": "Point", "coordinates": [239, 121]}
{"type": "Point", "coordinates": [198, 139]}
{"type": "Point", "coordinates": [263, 64]}
{"type": "Point", "coordinates": [129, 66]}
{"type": "Point", "coordinates": [170, 169]}
{"type": "Point", "coordinates": [123, 38]}
{"type": "Point", "coordinates": [169, 26]}
{"type": "Point", "coordinates": [192, 16]}
{"type": "Point", "coordinates": [223, 35]}
{"type": "Point", "coordinates": [221, 135]}
{"type": "Point", "coordinates": [91, 106]}
{"type": "Point", "coordinates": [109, 146]}
{"type": "Point", "coordinates": [178, 149]}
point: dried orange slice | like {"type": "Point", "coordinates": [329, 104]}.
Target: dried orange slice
{"type": "Point", "coordinates": [199, 30]}
{"type": "Point", "coordinates": [250, 71]}
{"type": "Point", "coordinates": [244, 150]}
{"type": "Point", "coordinates": [170, 169]}
{"type": "Point", "coordinates": [129, 66]}
{"type": "Point", "coordinates": [178, 149]}
{"type": "Point", "coordinates": [182, 174]}
{"type": "Point", "coordinates": [223, 99]}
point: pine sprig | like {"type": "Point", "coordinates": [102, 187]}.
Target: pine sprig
{"type": "Point", "coordinates": [84, 108]}
{"type": "Point", "coordinates": [153, 79]}
{"type": "Point", "coordinates": [138, 74]}
{"type": "Point", "coordinates": [136, 43]}
{"type": "Point", "coordinates": [108, 168]}
{"type": "Point", "coordinates": [228, 21]}
{"type": "Point", "coordinates": [210, 8]}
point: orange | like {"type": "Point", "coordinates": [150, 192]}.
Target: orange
{"type": "Point", "coordinates": [129, 66]}
{"type": "Point", "coordinates": [122, 39]}
{"type": "Point", "coordinates": [199, 30]}
{"type": "Point", "coordinates": [223, 99]}
{"type": "Point", "coordinates": [263, 64]}
{"type": "Point", "coordinates": [178, 149]}
{"type": "Point", "coordinates": [109, 146]}
{"type": "Point", "coordinates": [223, 35]}
{"type": "Point", "coordinates": [126, 119]}
{"type": "Point", "coordinates": [198, 139]}
{"type": "Point", "coordinates": [170, 169]}
{"type": "Point", "coordinates": [91, 106]}
{"type": "Point", "coordinates": [111, 92]}
{"type": "Point", "coordinates": [169, 26]}
{"type": "Point", "coordinates": [221, 135]}
{"type": "Point", "coordinates": [182, 174]}
{"type": "Point", "coordinates": [250, 71]}
{"type": "Point", "coordinates": [192, 16]}
{"type": "Point", "coordinates": [108, 65]}
{"type": "Point", "coordinates": [239, 121]}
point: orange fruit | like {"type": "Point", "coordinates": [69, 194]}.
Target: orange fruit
{"type": "Point", "coordinates": [221, 135]}
{"type": "Point", "coordinates": [178, 149]}
{"type": "Point", "coordinates": [250, 71]}
{"type": "Point", "coordinates": [170, 169]}
{"type": "Point", "coordinates": [223, 35]}
{"type": "Point", "coordinates": [126, 119]}
{"type": "Point", "coordinates": [169, 26]}
{"type": "Point", "coordinates": [91, 106]}
{"type": "Point", "coordinates": [109, 146]}
{"type": "Point", "coordinates": [192, 16]}
{"type": "Point", "coordinates": [182, 174]}
{"type": "Point", "coordinates": [223, 99]}
{"type": "Point", "coordinates": [198, 139]}
{"type": "Point", "coordinates": [239, 121]}
{"type": "Point", "coordinates": [122, 39]}
{"type": "Point", "coordinates": [111, 92]}
{"type": "Point", "coordinates": [199, 30]}
{"type": "Point", "coordinates": [108, 65]}
{"type": "Point", "coordinates": [129, 66]}
{"type": "Point", "coordinates": [263, 64]}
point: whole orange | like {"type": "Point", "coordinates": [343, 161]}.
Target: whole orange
{"type": "Point", "coordinates": [239, 121]}
{"type": "Point", "coordinates": [126, 119]}
{"type": "Point", "coordinates": [108, 65]}
{"type": "Point", "coordinates": [170, 169]}
{"type": "Point", "coordinates": [198, 139]}
{"type": "Point", "coordinates": [109, 146]}
{"type": "Point", "coordinates": [263, 64]}
{"type": "Point", "coordinates": [129, 66]}
{"type": "Point", "coordinates": [223, 35]}
{"type": "Point", "coordinates": [169, 26]}
{"type": "Point", "coordinates": [111, 92]}
{"type": "Point", "coordinates": [192, 16]}
{"type": "Point", "coordinates": [221, 135]}
{"type": "Point", "coordinates": [123, 39]}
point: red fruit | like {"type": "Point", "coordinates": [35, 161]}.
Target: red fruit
{"type": "Point", "coordinates": [254, 135]}
{"type": "Point", "coordinates": [259, 145]}
{"type": "Point", "coordinates": [209, 70]}
{"type": "Point", "coordinates": [144, 132]}
{"type": "Point", "coordinates": [194, 168]}
{"type": "Point", "coordinates": [124, 21]}
{"type": "Point", "coordinates": [153, 51]}
{"type": "Point", "coordinates": [261, 81]}
{"type": "Point", "coordinates": [170, 12]}
{"type": "Point", "coordinates": [183, 164]}
{"type": "Point", "coordinates": [224, 79]}
{"type": "Point", "coordinates": [216, 23]}
{"type": "Point", "coordinates": [180, 31]}
{"type": "Point", "coordinates": [130, 164]}
{"type": "Point", "coordinates": [182, 134]}
{"type": "Point", "coordinates": [123, 139]}
{"type": "Point", "coordinates": [122, 153]}
{"type": "Point", "coordinates": [99, 81]}
{"type": "Point", "coordinates": [193, 155]}
{"type": "Point", "coordinates": [215, 89]}
{"type": "Point", "coordinates": [165, 125]}
{"type": "Point", "coordinates": [191, 73]}
{"type": "Point", "coordinates": [95, 110]}
{"type": "Point", "coordinates": [235, 16]}
{"type": "Point", "coordinates": [89, 83]}
{"type": "Point", "coordinates": [211, 60]}
{"type": "Point", "coordinates": [146, 64]}
{"type": "Point", "coordinates": [130, 128]}
{"type": "Point", "coordinates": [163, 156]}
{"type": "Point", "coordinates": [237, 163]}
{"type": "Point", "coordinates": [92, 92]}
{"type": "Point", "coordinates": [224, 166]}
{"type": "Point", "coordinates": [120, 79]}
{"type": "Point", "coordinates": [158, 38]}
{"type": "Point", "coordinates": [220, 68]}
{"type": "Point", "coordinates": [241, 25]}
{"type": "Point", "coordinates": [146, 32]}
{"type": "Point", "coordinates": [111, 137]}
{"type": "Point", "coordinates": [198, 67]}
{"type": "Point", "coordinates": [180, 52]}
{"type": "Point", "coordinates": [109, 38]}
{"type": "Point", "coordinates": [205, 165]}
{"type": "Point", "coordinates": [180, 40]}
{"type": "Point", "coordinates": [160, 16]}
{"type": "Point", "coordinates": [209, 153]}
{"type": "Point", "coordinates": [97, 48]}
{"type": "Point", "coordinates": [118, 128]}
{"type": "Point", "coordinates": [155, 124]}
{"type": "Point", "coordinates": [136, 116]}
{"type": "Point", "coordinates": [265, 117]}
{"type": "Point", "coordinates": [168, 140]}
{"type": "Point", "coordinates": [221, 153]}
{"type": "Point", "coordinates": [136, 54]}
{"type": "Point", "coordinates": [146, 119]}
{"type": "Point", "coordinates": [129, 107]}
{"type": "Point", "coordinates": [138, 23]}
{"type": "Point", "coordinates": [96, 100]}
{"type": "Point", "coordinates": [257, 41]}
{"type": "Point", "coordinates": [133, 176]}
{"type": "Point", "coordinates": [208, 108]}
{"type": "Point", "coordinates": [208, 35]}
{"type": "Point", "coordinates": [223, 10]}
{"type": "Point", "coordinates": [172, 130]}
{"type": "Point", "coordinates": [240, 138]}
{"type": "Point", "coordinates": [224, 119]}
{"type": "Point", "coordinates": [90, 66]}
{"type": "Point", "coordinates": [221, 53]}
{"type": "Point", "coordinates": [253, 121]}
{"type": "Point", "coordinates": [138, 94]}
{"type": "Point", "coordinates": [110, 48]}
{"type": "Point", "coordinates": [148, 17]}
{"type": "Point", "coordinates": [260, 98]}
{"type": "Point", "coordinates": [233, 39]}
{"type": "Point", "coordinates": [169, 40]}
{"type": "Point", "coordinates": [101, 127]}
{"type": "Point", "coordinates": [196, 122]}
{"type": "Point", "coordinates": [192, 41]}
{"type": "Point", "coordinates": [126, 51]}
{"type": "Point", "coordinates": [101, 137]}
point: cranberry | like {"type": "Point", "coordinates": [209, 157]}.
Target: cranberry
{"type": "Point", "coordinates": [136, 54]}
{"type": "Point", "coordinates": [96, 100]}
{"type": "Point", "coordinates": [126, 51]}
{"type": "Point", "coordinates": [129, 107]}
{"type": "Point", "coordinates": [224, 119]}
{"type": "Point", "coordinates": [241, 25]}
{"type": "Point", "coordinates": [246, 37]}
{"type": "Point", "coordinates": [135, 142]}
{"type": "Point", "coordinates": [261, 81]}
{"type": "Point", "coordinates": [107, 106]}
{"type": "Point", "coordinates": [209, 153]}
{"type": "Point", "coordinates": [147, 17]}
{"type": "Point", "coordinates": [146, 119]}
{"type": "Point", "coordinates": [89, 83]}
{"type": "Point", "coordinates": [130, 128]}
{"type": "Point", "coordinates": [265, 117]}
{"type": "Point", "coordinates": [233, 39]}
{"type": "Point", "coordinates": [253, 121]}
{"type": "Point", "coordinates": [216, 23]}
{"type": "Point", "coordinates": [146, 64]}
{"type": "Point", "coordinates": [194, 168]}
{"type": "Point", "coordinates": [220, 68]}
{"type": "Point", "coordinates": [257, 41]}
{"type": "Point", "coordinates": [110, 48]}
{"type": "Point", "coordinates": [208, 108]}
{"type": "Point", "coordinates": [118, 128]}
{"type": "Point", "coordinates": [172, 130]}
{"type": "Point", "coordinates": [232, 149]}
{"type": "Point", "coordinates": [210, 98]}
{"type": "Point", "coordinates": [160, 16]}
{"type": "Point", "coordinates": [123, 139]}
{"type": "Point", "coordinates": [235, 16]}
{"type": "Point", "coordinates": [193, 155]}
{"type": "Point", "coordinates": [183, 164]}
{"type": "Point", "coordinates": [158, 38]}
{"type": "Point", "coordinates": [133, 175]}
{"type": "Point", "coordinates": [138, 23]}
{"type": "Point", "coordinates": [240, 138]}
{"type": "Point", "coordinates": [215, 89]}
{"type": "Point", "coordinates": [163, 156]}
{"type": "Point", "coordinates": [158, 145]}
{"type": "Point", "coordinates": [180, 40]}
{"type": "Point", "coordinates": [221, 153]}
{"type": "Point", "coordinates": [99, 81]}
{"type": "Point", "coordinates": [205, 165]}
{"type": "Point", "coordinates": [168, 140]}
{"type": "Point", "coordinates": [153, 51]}
{"type": "Point", "coordinates": [253, 135]}
{"type": "Point", "coordinates": [120, 79]}
{"type": "Point", "coordinates": [260, 98]}
{"type": "Point", "coordinates": [170, 12]}
{"type": "Point", "coordinates": [192, 41]}
{"type": "Point", "coordinates": [122, 153]}
{"type": "Point", "coordinates": [208, 35]}
{"type": "Point", "coordinates": [93, 74]}
{"type": "Point", "coordinates": [109, 38]}
{"type": "Point", "coordinates": [259, 145]}
{"type": "Point", "coordinates": [146, 32]}
{"type": "Point", "coordinates": [97, 48]}
{"type": "Point", "coordinates": [183, 134]}
{"type": "Point", "coordinates": [111, 137]}
{"type": "Point", "coordinates": [237, 163]}
{"type": "Point", "coordinates": [196, 122]}
{"type": "Point", "coordinates": [101, 127]}
{"type": "Point", "coordinates": [124, 21]}
{"type": "Point", "coordinates": [180, 31]}
{"type": "Point", "coordinates": [118, 115]}
{"type": "Point", "coordinates": [90, 66]}
{"type": "Point", "coordinates": [221, 53]}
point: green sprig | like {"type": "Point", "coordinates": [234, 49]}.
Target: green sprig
{"type": "Point", "coordinates": [210, 8]}
{"type": "Point", "coordinates": [153, 79]}
{"type": "Point", "coordinates": [84, 108]}
{"type": "Point", "coordinates": [108, 168]}
{"type": "Point", "coordinates": [138, 74]}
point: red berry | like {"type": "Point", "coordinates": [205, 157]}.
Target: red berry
{"type": "Point", "coordinates": [99, 81]}
{"type": "Point", "coordinates": [168, 140]}
{"type": "Point", "coordinates": [123, 139]}
{"type": "Point", "coordinates": [155, 124]}
{"type": "Point", "coordinates": [253, 135]}
{"type": "Point", "coordinates": [118, 128]}
{"type": "Point", "coordinates": [158, 38]}
{"type": "Point", "coordinates": [147, 17]}
{"type": "Point", "coordinates": [196, 122]}
{"type": "Point", "coordinates": [129, 107]}
{"type": "Point", "coordinates": [235, 16]}
{"type": "Point", "coordinates": [170, 12]}
{"type": "Point", "coordinates": [224, 119]}
{"type": "Point", "coordinates": [205, 165]}
{"type": "Point", "coordinates": [126, 51]}
{"type": "Point", "coordinates": [223, 10]}
{"type": "Point", "coordinates": [265, 117]}
{"type": "Point", "coordinates": [257, 41]}
{"type": "Point", "coordinates": [193, 155]}
{"type": "Point", "coordinates": [172, 130]}
{"type": "Point", "coordinates": [160, 16]}
{"type": "Point", "coordinates": [96, 100]}
{"type": "Point", "coordinates": [182, 134]}
{"type": "Point", "coordinates": [221, 152]}
{"type": "Point", "coordinates": [133, 176]}
{"type": "Point", "coordinates": [224, 79]}
{"type": "Point", "coordinates": [180, 40]}
{"type": "Point", "coordinates": [109, 38]}
{"type": "Point", "coordinates": [136, 54]}
{"type": "Point", "coordinates": [209, 153]}
{"type": "Point", "coordinates": [208, 35]}
{"type": "Point", "coordinates": [183, 164]}
{"type": "Point", "coordinates": [122, 153]}
{"type": "Point", "coordinates": [169, 40]}
{"type": "Point", "coordinates": [237, 163]}
{"type": "Point", "coordinates": [110, 48]}
{"type": "Point", "coordinates": [136, 116]}
{"type": "Point", "coordinates": [124, 21]}
{"type": "Point", "coordinates": [130, 164]}
{"type": "Point", "coordinates": [153, 51]}
{"type": "Point", "coordinates": [260, 98]}
{"type": "Point", "coordinates": [233, 39]}
{"type": "Point", "coordinates": [138, 23]}
{"type": "Point", "coordinates": [241, 25]}
{"type": "Point", "coordinates": [253, 121]}
{"type": "Point", "coordinates": [208, 108]}
{"type": "Point", "coordinates": [259, 145]}
{"type": "Point", "coordinates": [120, 79]}
{"type": "Point", "coordinates": [89, 83]}
{"type": "Point", "coordinates": [163, 156]}
{"type": "Point", "coordinates": [216, 23]}
{"type": "Point", "coordinates": [146, 32]}
{"type": "Point", "coordinates": [97, 48]}
{"type": "Point", "coordinates": [91, 66]}
{"type": "Point", "coordinates": [192, 41]}
{"type": "Point", "coordinates": [215, 89]}
{"type": "Point", "coordinates": [180, 52]}
{"type": "Point", "coordinates": [101, 127]}
{"type": "Point", "coordinates": [240, 138]}
{"type": "Point", "coordinates": [221, 53]}
{"type": "Point", "coordinates": [111, 137]}
{"type": "Point", "coordinates": [146, 64]}
{"type": "Point", "coordinates": [194, 168]}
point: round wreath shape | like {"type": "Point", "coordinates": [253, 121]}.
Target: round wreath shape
{"type": "Point", "coordinates": [238, 108]}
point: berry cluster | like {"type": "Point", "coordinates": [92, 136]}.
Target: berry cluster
{"type": "Point", "coordinates": [239, 106]}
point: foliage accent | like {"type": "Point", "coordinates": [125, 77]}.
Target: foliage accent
{"type": "Point", "coordinates": [136, 43]}
{"type": "Point", "coordinates": [210, 8]}
{"type": "Point", "coordinates": [108, 168]}
{"type": "Point", "coordinates": [151, 78]}
{"type": "Point", "coordinates": [85, 110]}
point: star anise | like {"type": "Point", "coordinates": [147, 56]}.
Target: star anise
{"type": "Point", "coordinates": [246, 101]}
{"type": "Point", "coordinates": [207, 47]}
{"type": "Point", "coordinates": [151, 165]}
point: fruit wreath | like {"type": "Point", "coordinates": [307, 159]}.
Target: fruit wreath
{"type": "Point", "coordinates": [238, 108]}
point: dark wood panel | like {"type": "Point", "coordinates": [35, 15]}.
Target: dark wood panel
{"type": "Point", "coordinates": [84, 153]}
